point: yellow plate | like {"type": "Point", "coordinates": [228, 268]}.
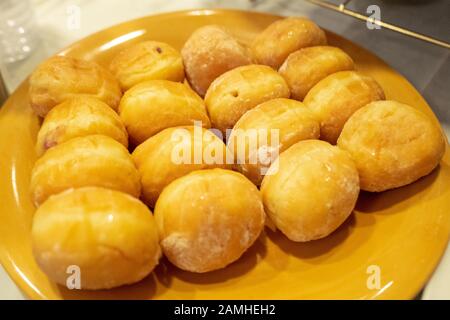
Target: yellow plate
{"type": "Point", "coordinates": [401, 233]}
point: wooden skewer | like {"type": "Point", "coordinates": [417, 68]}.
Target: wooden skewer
{"type": "Point", "coordinates": [341, 8]}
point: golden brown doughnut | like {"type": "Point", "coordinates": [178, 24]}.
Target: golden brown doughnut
{"type": "Point", "coordinates": [94, 160]}
{"type": "Point", "coordinates": [310, 190]}
{"type": "Point", "coordinates": [148, 60]}
{"type": "Point", "coordinates": [60, 78]}
{"type": "Point", "coordinates": [241, 89]}
{"type": "Point", "coordinates": [209, 52]}
{"type": "Point", "coordinates": [273, 45]}
{"type": "Point", "coordinates": [151, 106]}
{"type": "Point", "coordinates": [77, 117]}
{"type": "Point", "coordinates": [304, 68]}
{"type": "Point", "coordinates": [284, 120]}
{"type": "Point", "coordinates": [208, 219]}
{"type": "Point", "coordinates": [335, 98]}
{"type": "Point", "coordinates": [392, 144]}
{"type": "Point", "coordinates": [174, 152]}
{"type": "Point", "coordinates": [109, 236]}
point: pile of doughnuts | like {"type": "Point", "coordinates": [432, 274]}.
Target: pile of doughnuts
{"type": "Point", "coordinates": [161, 130]}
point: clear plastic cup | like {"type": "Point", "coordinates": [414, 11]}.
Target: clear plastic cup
{"type": "Point", "coordinates": [18, 34]}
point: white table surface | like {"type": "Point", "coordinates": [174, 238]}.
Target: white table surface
{"type": "Point", "coordinates": [425, 65]}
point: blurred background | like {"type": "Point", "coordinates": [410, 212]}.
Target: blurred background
{"type": "Point", "coordinates": [32, 30]}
